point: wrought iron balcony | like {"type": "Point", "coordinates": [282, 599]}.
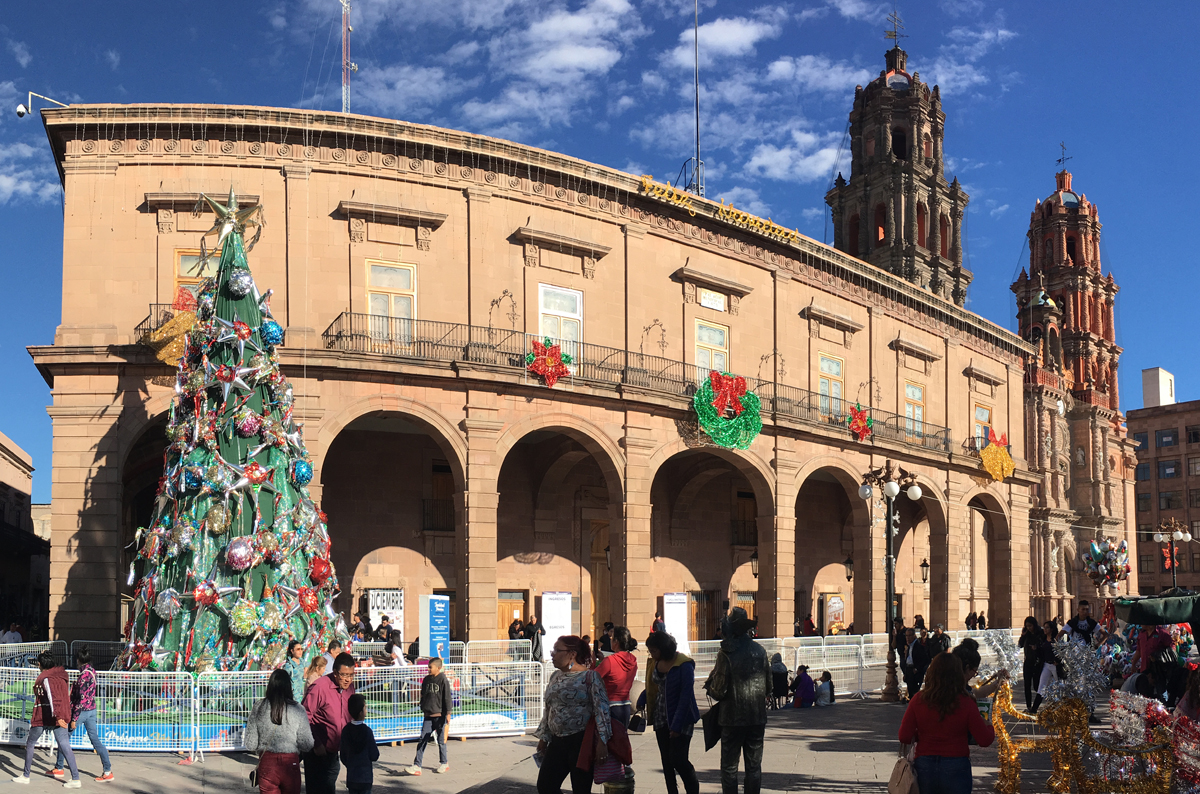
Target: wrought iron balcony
{"type": "Point", "coordinates": [160, 315]}
{"type": "Point", "coordinates": [425, 340]}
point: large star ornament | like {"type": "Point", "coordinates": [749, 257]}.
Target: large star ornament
{"type": "Point", "coordinates": [231, 218]}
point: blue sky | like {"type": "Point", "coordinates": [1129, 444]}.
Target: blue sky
{"type": "Point", "coordinates": [611, 81]}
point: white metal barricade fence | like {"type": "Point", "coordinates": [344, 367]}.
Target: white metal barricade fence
{"type": "Point", "coordinates": [498, 651]}
{"type": "Point", "coordinates": [365, 650]}
{"type": "Point", "coordinates": [24, 654]}
{"type": "Point", "coordinates": [102, 653]}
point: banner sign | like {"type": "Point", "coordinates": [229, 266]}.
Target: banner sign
{"type": "Point", "coordinates": [386, 602]}
{"type": "Point", "coordinates": [435, 627]}
{"type": "Point", "coordinates": [675, 615]}
{"type": "Point", "coordinates": [556, 617]}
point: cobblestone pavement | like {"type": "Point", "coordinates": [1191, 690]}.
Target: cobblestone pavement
{"type": "Point", "coordinates": [848, 748]}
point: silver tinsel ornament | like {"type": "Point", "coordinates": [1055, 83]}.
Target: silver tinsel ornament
{"type": "Point", "coordinates": [167, 604]}
{"type": "Point", "coordinates": [1082, 673]}
{"type": "Point", "coordinates": [240, 283]}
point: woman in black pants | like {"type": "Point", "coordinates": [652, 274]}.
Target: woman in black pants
{"type": "Point", "coordinates": [671, 705]}
{"type": "Point", "coordinates": [575, 696]}
{"type": "Point", "coordinates": [1031, 639]}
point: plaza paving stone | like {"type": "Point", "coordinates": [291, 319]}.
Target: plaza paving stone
{"type": "Point", "coordinates": [848, 748]}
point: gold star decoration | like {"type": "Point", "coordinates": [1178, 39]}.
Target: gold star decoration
{"type": "Point", "coordinates": [230, 218]}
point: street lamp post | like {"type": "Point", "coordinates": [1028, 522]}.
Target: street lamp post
{"type": "Point", "coordinates": [1172, 531]}
{"type": "Point", "coordinates": [891, 479]}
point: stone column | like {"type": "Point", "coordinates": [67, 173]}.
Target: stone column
{"type": "Point", "coordinates": [631, 565]}
{"type": "Point", "coordinates": [478, 231]}
{"type": "Point", "coordinates": [776, 602]}
{"type": "Point", "coordinates": [476, 572]}
{"type": "Point", "coordinates": [85, 524]}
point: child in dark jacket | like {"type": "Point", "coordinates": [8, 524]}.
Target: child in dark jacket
{"type": "Point", "coordinates": [358, 749]}
{"type": "Point", "coordinates": [435, 704]}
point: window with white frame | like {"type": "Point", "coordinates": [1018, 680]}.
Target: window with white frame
{"type": "Point", "coordinates": [391, 298]}
{"type": "Point", "coordinates": [983, 425]}
{"type": "Point", "coordinates": [560, 313]}
{"type": "Point", "coordinates": [830, 385]}
{"type": "Point", "coordinates": [712, 348]}
{"type": "Point", "coordinates": [914, 409]}
{"type": "Point", "coordinates": [191, 269]}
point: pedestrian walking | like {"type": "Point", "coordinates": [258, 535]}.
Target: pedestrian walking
{"type": "Point", "coordinates": [51, 711]}
{"type": "Point", "coordinates": [937, 642]}
{"type": "Point", "coordinates": [393, 653]}
{"type": "Point", "coordinates": [534, 631]}
{"type": "Point", "coordinates": [1030, 641]}
{"type": "Point", "coordinates": [295, 669]}
{"type": "Point", "coordinates": [740, 682]}
{"type": "Point", "coordinates": [435, 705]}
{"type": "Point", "coordinates": [83, 712]}
{"type": "Point", "coordinates": [671, 702]}
{"type": "Point", "coordinates": [1083, 625]}
{"type": "Point", "coordinates": [603, 643]}
{"type": "Point", "coordinates": [574, 697]}
{"type": "Point", "coordinates": [941, 719]}
{"type": "Point", "coordinates": [515, 628]}
{"type": "Point", "coordinates": [278, 729]}
{"type": "Point", "coordinates": [659, 624]}
{"type": "Point", "coordinates": [331, 651]}
{"type": "Point", "coordinates": [1047, 663]}
{"type": "Point", "coordinates": [810, 627]}
{"type": "Point", "coordinates": [972, 620]}
{"type": "Point", "coordinates": [328, 713]}
{"type": "Point", "coordinates": [617, 671]}
{"type": "Point", "coordinates": [982, 622]}
{"type": "Point", "coordinates": [358, 749]}
{"type": "Point", "coordinates": [913, 662]}
{"type": "Point", "coordinates": [316, 669]}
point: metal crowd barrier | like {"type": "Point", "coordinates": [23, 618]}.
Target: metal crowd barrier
{"type": "Point", "coordinates": [176, 712]}
{"type": "Point", "coordinates": [24, 654]}
{"type": "Point", "coordinates": [365, 650]}
{"type": "Point", "coordinates": [103, 653]}
{"type": "Point", "coordinates": [497, 651]}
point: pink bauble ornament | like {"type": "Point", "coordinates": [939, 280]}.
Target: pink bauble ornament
{"type": "Point", "coordinates": [239, 554]}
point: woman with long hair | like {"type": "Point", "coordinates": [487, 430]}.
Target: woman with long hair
{"type": "Point", "coordinates": [1030, 641]}
{"type": "Point", "coordinates": [278, 728]}
{"type": "Point", "coordinates": [295, 668]}
{"type": "Point", "coordinates": [618, 670]}
{"type": "Point", "coordinates": [940, 719]}
{"type": "Point", "coordinates": [967, 652]}
{"type": "Point", "coordinates": [671, 704]}
{"type": "Point", "coordinates": [1189, 704]}
{"type": "Point", "coordinates": [825, 695]}
{"type": "Point", "coordinates": [575, 696]}
{"type": "Point", "coordinates": [316, 669]}
{"type": "Point", "coordinates": [392, 649]}
{"type": "Point", "coordinates": [1047, 663]}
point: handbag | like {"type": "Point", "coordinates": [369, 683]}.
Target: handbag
{"type": "Point", "coordinates": [904, 777]}
{"type": "Point", "coordinates": [637, 723]}
{"type": "Point", "coordinates": [608, 771]}
{"type": "Point", "coordinates": [254, 773]}
{"type": "Point", "coordinates": [711, 724]}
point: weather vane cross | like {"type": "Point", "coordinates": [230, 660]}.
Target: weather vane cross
{"type": "Point", "coordinates": [1063, 160]}
{"type": "Point", "coordinates": [897, 25]}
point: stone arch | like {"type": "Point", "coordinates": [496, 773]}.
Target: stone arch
{"type": "Point", "coordinates": [589, 435]}
{"type": "Point", "coordinates": [448, 438]}
{"type": "Point", "coordinates": [1002, 571]}
{"type": "Point", "coordinates": [756, 470]}
{"type": "Point", "coordinates": [153, 411]}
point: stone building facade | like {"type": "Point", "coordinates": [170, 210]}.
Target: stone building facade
{"type": "Point", "coordinates": [1166, 441]}
{"type": "Point", "coordinates": [25, 564]}
{"type": "Point", "coordinates": [412, 268]}
{"type": "Point", "coordinates": [1074, 432]}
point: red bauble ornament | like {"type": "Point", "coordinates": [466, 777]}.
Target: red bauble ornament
{"type": "Point", "coordinates": [225, 374]}
{"type": "Point", "coordinates": [241, 330]}
{"type": "Point", "coordinates": [308, 600]}
{"type": "Point", "coordinates": [320, 569]}
{"type": "Point", "coordinates": [205, 594]}
{"type": "Point", "coordinates": [256, 474]}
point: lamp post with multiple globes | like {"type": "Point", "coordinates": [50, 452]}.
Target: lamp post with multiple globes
{"type": "Point", "coordinates": [1173, 531]}
{"type": "Point", "coordinates": [891, 480]}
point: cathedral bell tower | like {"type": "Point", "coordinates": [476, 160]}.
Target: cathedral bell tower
{"type": "Point", "coordinates": [1074, 429]}
{"type": "Point", "coordinates": [897, 211]}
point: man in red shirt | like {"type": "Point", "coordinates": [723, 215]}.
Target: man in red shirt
{"type": "Point", "coordinates": [327, 704]}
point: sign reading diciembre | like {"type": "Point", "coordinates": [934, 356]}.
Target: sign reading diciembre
{"type": "Point", "coordinates": [675, 615]}
{"type": "Point", "coordinates": [386, 602]}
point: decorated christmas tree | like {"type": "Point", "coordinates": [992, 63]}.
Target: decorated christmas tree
{"type": "Point", "coordinates": [235, 561]}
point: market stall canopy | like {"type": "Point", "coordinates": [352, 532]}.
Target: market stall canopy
{"type": "Point", "coordinates": [1175, 606]}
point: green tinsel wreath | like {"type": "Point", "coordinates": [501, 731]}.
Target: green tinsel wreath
{"type": "Point", "coordinates": [736, 433]}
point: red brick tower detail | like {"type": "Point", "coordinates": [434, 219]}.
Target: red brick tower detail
{"type": "Point", "coordinates": [897, 211]}
{"type": "Point", "coordinates": [1074, 432]}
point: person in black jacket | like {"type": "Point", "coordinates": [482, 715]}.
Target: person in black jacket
{"type": "Point", "coordinates": [534, 631]}
{"type": "Point", "coordinates": [1030, 642]}
{"type": "Point", "coordinates": [358, 749]}
{"type": "Point", "coordinates": [914, 660]}
{"type": "Point", "coordinates": [435, 705]}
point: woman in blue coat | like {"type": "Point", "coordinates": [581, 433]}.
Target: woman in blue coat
{"type": "Point", "coordinates": [671, 704]}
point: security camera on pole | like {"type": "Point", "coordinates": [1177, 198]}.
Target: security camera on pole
{"type": "Point", "coordinates": [891, 479]}
{"type": "Point", "coordinates": [26, 107]}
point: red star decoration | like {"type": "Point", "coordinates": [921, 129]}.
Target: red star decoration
{"type": "Point", "coordinates": [548, 361]}
{"type": "Point", "coordinates": [861, 425]}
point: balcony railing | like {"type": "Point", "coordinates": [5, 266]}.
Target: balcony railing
{"type": "Point", "coordinates": [160, 315]}
{"type": "Point", "coordinates": [438, 515]}
{"type": "Point", "coordinates": [426, 340]}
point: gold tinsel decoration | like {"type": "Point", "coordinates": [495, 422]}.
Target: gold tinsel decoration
{"type": "Point", "coordinates": [167, 341]}
{"type": "Point", "coordinates": [1066, 724]}
{"type": "Point", "coordinates": [995, 458]}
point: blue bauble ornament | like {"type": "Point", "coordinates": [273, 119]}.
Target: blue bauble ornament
{"type": "Point", "coordinates": [271, 332]}
{"type": "Point", "coordinates": [302, 472]}
{"type": "Point", "coordinates": [192, 480]}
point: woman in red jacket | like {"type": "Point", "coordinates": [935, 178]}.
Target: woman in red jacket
{"type": "Point", "coordinates": [51, 711]}
{"type": "Point", "coordinates": [940, 719]}
{"type": "Point", "coordinates": [617, 671]}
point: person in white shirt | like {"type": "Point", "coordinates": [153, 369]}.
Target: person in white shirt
{"type": "Point", "coordinates": [393, 649]}
{"type": "Point", "coordinates": [331, 652]}
{"type": "Point", "coordinates": [12, 635]}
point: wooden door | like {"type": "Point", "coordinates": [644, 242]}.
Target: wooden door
{"type": "Point", "coordinates": [702, 614]}
{"type": "Point", "coordinates": [601, 606]}
{"type": "Point", "coordinates": [510, 604]}
{"type": "Point", "coordinates": [748, 602]}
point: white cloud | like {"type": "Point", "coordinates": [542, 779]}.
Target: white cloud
{"type": "Point", "coordinates": [372, 18]}
{"type": "Point", "coordinates": [727, 38]}
{"type": "Point", "coordinates": [277, 17]}
{"type": "Point", "coordinates": [996, 212]}
{"type": "Point", "coordinates": [20, 52]}
{"type": "Point", "coordinates": [746, 199]}
{"type": "Point", "coordinates": [653, 82]}
{"type": "Point", "coordinates": [956, 69]}
{"type": "Point", "coordinates": [564, 48]}
{"type": "Point", "coordinates": [633, 167]}
{"type": "Point", "coordinates": [808, 157]}
{"type": "Point", "coordinates": [621, 105]}
{"type": "Point", "coordinates": [817, 73]}
{"type": "Point", "coordinates": [460, 52]}
{"type": "Point", "coordinates": [860, 9]}
{"type": "Point", "coordinates": [113, 58]}
{"type": "Point", "coordinates": [812, 213]}
{"type": "Point", "coordinates": [963, 164]}
{"type": "Point", "coordinates": [23, 177]}
{"type": "Point", "coordinates": [389, 89]}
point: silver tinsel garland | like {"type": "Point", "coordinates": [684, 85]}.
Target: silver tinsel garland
{"type": "Point", "coordinates": [1082, 672]}
{"type": "Point", "coordinates": [1007, 656]}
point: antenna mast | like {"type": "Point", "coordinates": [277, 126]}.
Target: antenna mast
{"type": "Point", "coordinates": [347, 65]}
{"type": "Point", "coordinates": [692, 173]}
